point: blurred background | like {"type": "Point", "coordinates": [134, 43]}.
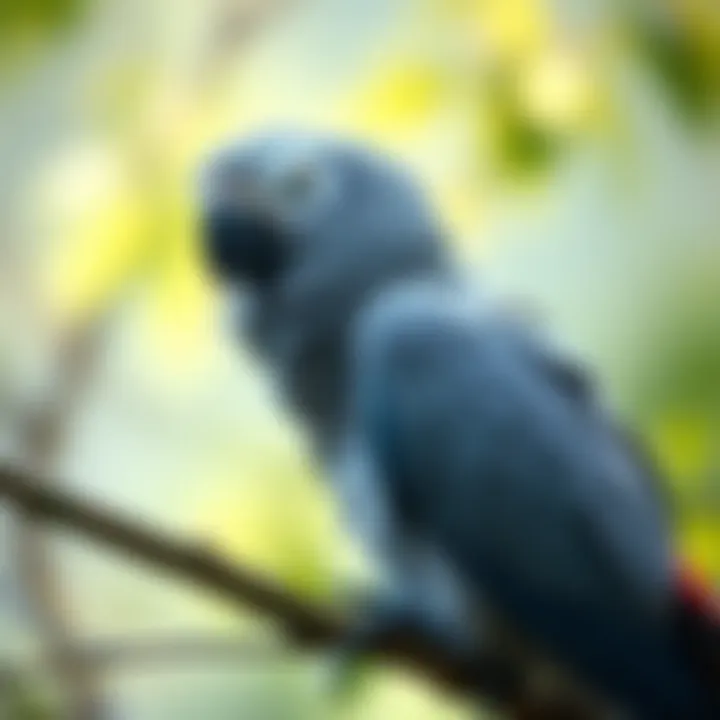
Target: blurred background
{"type": "Point", "coordinates": [573, 147]}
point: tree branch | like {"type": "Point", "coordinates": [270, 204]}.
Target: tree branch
{"type": "Point", "coordinates": [43, 435]}
{"type": "Point", "coordinates": [305, 624]}
{"type": "Point", "coordinates": [490, 678]}
{"type": "Point", "coordinates": [134, 651]}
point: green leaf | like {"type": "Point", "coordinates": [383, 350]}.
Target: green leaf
{"type": "Point", "coordinates": [521, 146]}
{"type": "Point", "coordinates": [27, 26]}
{"type": "Point", "coordinates": [676, 59]}
{"type": "Point", "coordinates": [23, 696]}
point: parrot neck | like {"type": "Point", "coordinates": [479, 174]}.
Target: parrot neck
{"type": "Point", "coordinates": [302, 326]}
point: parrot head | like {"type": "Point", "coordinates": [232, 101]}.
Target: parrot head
{"type": "Point", "coordinates": [274, 202]}
{"type": "Point", "coordinates": [301, 234]}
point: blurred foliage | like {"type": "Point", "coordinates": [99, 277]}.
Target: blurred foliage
{"type": "Point", "coordinates": [25, 27]}
{"type": "Point", "coordinates": [24, 695]}
{"type": "Point", "coordinates": [680, 42]}
{"type": "Point", "coordinates": [573, 148]}
{"type": "Point", "coordinates": [522, 145]}
{"type": "Point", "coordinates": [36, 16]}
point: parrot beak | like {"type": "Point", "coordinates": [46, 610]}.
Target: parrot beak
{"type": "Point", "coordinates": [242, 246]}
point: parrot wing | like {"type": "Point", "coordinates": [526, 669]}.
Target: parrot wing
{"type": "Point", "coordinates": [573, 381]}
{"type": "Point", "coordinates": [541, 507]}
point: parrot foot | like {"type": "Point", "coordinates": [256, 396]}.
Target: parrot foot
{"type": "Point", "coordinates": [385, 621]}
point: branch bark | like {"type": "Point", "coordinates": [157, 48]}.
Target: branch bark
{"type": "Point", "coordinates": [132, 652]}
{"type": "Point", "coordinates": [43, 438]}
{"type": "Point", "coordinates": [306, 625]}
{"type": "Point", "coordinates": [303, 623]}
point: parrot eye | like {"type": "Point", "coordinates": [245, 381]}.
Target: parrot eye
{"type": "Point", "coordinates": [297, 185]}
{"type": "Point", "coordinates": [300, 191]}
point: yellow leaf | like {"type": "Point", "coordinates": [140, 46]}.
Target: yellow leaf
{"type": "Point", "coordinates": [96, 223]}
{"type": "Point", "coordinates": [557, 90]}
{"type": "Point", "coordinates": [700, 542]}
{"type": "Point", "coordinates": [682, 443]}
{"type": "Point", "coordinates": [398, 98]}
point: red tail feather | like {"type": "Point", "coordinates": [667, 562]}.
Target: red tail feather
{"type": "Point", "coordinates": [699, 625]}
{"type": "Point", "coordinates": [697, 595]}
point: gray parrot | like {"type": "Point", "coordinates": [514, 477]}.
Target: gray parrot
{"type": "Point", "coordinates": [476, 464]}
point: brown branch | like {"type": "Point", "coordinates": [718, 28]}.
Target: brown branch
{"type": "Point", "coordinates": [133, 651]}
{"type": "Point", "coordinates": [116, 652]}
{"type": "Point", "coordinates": [193, 562]}
{"type": "Point", "coordinates": [43, 438]}
{"type": "Point", "coordinates": [305, 624]}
